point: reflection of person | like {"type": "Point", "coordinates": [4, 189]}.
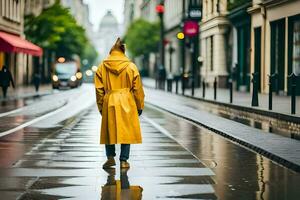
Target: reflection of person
{"type": "Point", "coordinates": [36, 81]}
{"type": "Point", "coordinates": [120, 99]}
{"type": "Point", "coordinates": [120, 189]}
{"type": "Point", "coordinates": [5, 80]}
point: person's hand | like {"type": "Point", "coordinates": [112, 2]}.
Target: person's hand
{"type": "Point", "coordinates": [140, 112]}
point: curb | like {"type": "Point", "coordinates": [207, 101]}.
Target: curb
{"type": "Point", "coordinates": [293, 166]}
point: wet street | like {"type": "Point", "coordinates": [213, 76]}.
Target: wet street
{"type": "Point", "coordinates": [49, 149]}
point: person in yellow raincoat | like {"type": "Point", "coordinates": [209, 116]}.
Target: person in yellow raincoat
{"type": "Point", "coordinates": [120, 100]}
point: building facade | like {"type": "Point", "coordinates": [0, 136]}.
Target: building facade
{"type": "Point", "coordinates": [35, 7]}
{"type": "Point", "coordinates": [275, 41]}
{"type": "Point", "coordinates": [214, 29]}
{"type": "Point", "coordinates": [15, 52]}
{"type": "Point", "coordinates": [132, 11]}
{"type": "Point", "coordinates": [108, 32]}
{"type": "Point", "coordinates": [238, 43]}
{"type": "Point", "coordinates": [80, 12]}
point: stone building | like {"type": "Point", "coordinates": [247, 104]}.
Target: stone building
{"type": "Point", "coordinates": [80, 12]}
{"type": "Point", "coordinates": [213, 28]}
{"type": "Point", "coordinates": [275, 41]}
{"type": "Point", "coordinates": [15, 52]}
{"type": "Point", "coordinates": [35, 7]}
{"type": "Point", "coordinates": [238, 43]}
{"type": "Point", "coordinates": [132, 11]}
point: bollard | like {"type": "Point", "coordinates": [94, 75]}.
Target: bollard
{"type": "Point", "coordinates": [176, 82]}
{"type": "Point", "coordinates": [230, 90]}
{"type": "Point", "coordinates": [193, 87]}
{"type": "Point", "coordinates": [254, 101]}
{"type": "Point", "coordinates": [183, 84]}
{"type": "Point", "coordinates": [215, 88]}
{"type": "Point", "coordinates": [203, 88]}
{"type": "Point", "coordinates": [272, 79]}
{"type": "Point", "coordinates": [270, 92]}
{"type": "Point", "coordinates": [293, 77]}
{"type": "Point", "coordinates": [169, 85]}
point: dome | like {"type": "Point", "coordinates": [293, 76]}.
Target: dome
{"type": "Point", "coordinates": [108, 21]}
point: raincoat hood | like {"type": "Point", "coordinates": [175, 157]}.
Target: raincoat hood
{"type": "Point", "coordinates": [116, 62]}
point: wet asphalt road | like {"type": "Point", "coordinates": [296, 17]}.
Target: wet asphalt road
{"type": "Point", "coordinates": [58, 157]}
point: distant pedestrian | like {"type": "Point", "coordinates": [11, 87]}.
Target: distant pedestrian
{"type": "Point", "coordinates": [5, 80]}
{"type": "Point", "coordinates": [162, 74]}
{"type": "Point", "coordinates": [120, 99]}
{"type": "Point", "coordinates": [36, 81]}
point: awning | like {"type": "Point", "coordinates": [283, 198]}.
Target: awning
{"type": "Point", "coordinates": [12, 43]}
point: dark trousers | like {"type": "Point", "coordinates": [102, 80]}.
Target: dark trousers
{"type": "Point", "coordinates": [36, 87]}
{"type": "Point", "coordinates": [4, 90]}
{"type": "Point", "coordinates": [111, 151]}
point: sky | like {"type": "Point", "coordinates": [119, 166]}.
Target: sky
{"type": "Point", "coordinates": [98, 9]}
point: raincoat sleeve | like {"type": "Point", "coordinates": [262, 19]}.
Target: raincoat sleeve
{"type": "Point", "coordinates": [99, 86]}
{"type": "Point", "coordinates": [138, 90]}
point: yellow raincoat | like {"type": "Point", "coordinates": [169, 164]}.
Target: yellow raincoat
{"type": "Point", "coordinates": [120, 95]}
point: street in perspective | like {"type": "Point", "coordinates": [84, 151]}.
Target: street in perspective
{"type": "Point", "coordinates": [149, 99]}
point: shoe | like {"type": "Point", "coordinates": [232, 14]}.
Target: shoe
{"type": "Point", "coordinates": [109, 163]}
{"type": "Point", "coordinates": [124, 165]}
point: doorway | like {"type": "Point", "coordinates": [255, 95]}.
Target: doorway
{"type": "Point", "coordinates": [277, 52]}
{"type": "Point", "coordinates": [257, 55]}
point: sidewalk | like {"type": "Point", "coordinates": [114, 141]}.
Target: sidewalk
{"type": "Point", "coordinates": [281, 104]}
{"type": "Point", "coordinates": [25, 91]}
{"type": "Point", "coordinates": [280, 149]}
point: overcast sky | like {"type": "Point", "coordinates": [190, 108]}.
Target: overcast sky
{"type": "Point", "coordinates": [98, 9]}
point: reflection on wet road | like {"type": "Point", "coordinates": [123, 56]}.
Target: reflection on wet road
{"type": "Point", "coordinates": [67, 164]}
{"type": "Point", "coordinates": [240, 173]}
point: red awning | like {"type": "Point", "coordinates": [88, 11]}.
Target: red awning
{"type": "Point", "coordinates": [12, 43]}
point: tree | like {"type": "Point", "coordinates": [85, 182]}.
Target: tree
{"type": "Point", "coordinates": [142, 38]}
{"type": "Point", "coordinates": [56, 31]}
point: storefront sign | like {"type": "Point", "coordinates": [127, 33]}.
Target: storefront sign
{"type": "Point", "coordinates": [195, 13]}
{"type": "Point", "coordinates": [191, 28]}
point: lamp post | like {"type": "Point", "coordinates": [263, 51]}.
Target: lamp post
{"type": "Point", "coordinates": [171, 51]}
{"type": "Point", "coordinates": [181, 37]}
{"type": "Point", "coordinates": [160, 9]}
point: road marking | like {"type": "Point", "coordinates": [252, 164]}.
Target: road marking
{"type": "Point", "coordinates": [168, 134]}
{"type": "Point", "coordinates": [32, 121]}
{"type": "Point", "coordinates": [11, 112]}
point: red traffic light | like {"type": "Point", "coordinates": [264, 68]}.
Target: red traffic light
{"type": "Point", "coordinates": [160, 8]}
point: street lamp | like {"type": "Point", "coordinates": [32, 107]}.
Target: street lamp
{"type": "Point", "coordinates": [180, 36]}
{"type": "Point", "coordinates": [160, 9]}
{"type": "Point", "coordinates": [171, 51]}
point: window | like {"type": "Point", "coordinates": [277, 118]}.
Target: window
{"type": "Point", "coordinates": [278, 51]}
{"type": "Point", "coordinates": [296, 47]}
{"type": "Point", "coordinates": [211, 53]}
